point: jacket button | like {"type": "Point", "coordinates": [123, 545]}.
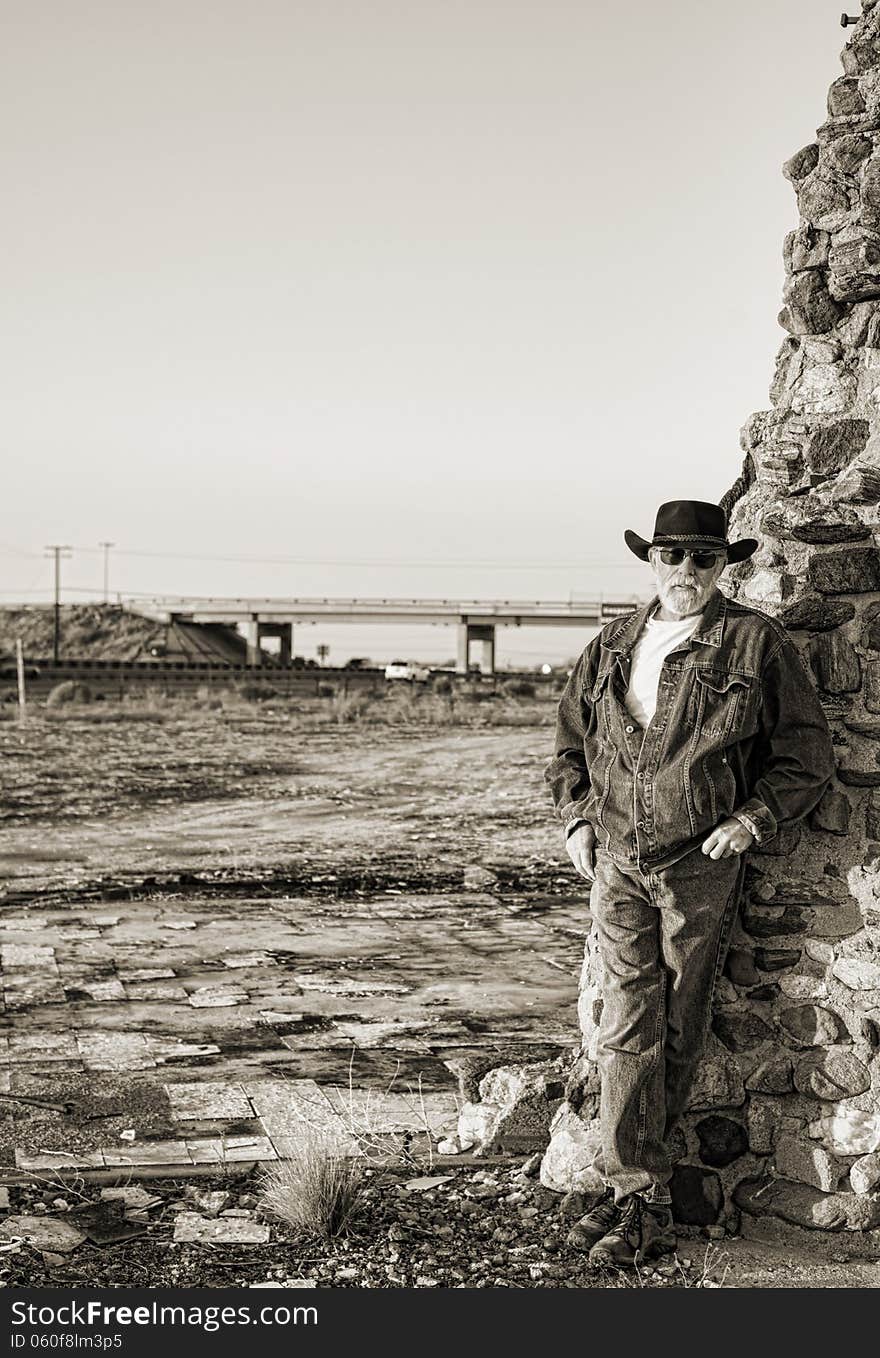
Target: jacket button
{"type": "Point", "coordinates": [640, 825]}
{"type": "Point", "coordinates": [629, 730]}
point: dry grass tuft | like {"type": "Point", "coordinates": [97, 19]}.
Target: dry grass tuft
{"type": "Point", "coordinates": [319, 1192]}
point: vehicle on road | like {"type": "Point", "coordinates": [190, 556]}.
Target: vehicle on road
{"type": "Point", "coordinates": [408, 671]}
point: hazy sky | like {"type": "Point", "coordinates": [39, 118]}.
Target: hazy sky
{"type": "Point", "coordinates": [387, 296]}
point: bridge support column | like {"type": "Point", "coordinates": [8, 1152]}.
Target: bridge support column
{"type": "Point", "coordinates": [254, 650]}
{"type": "Point", "coordinates": [463, 648]}
{"type": "Point", "coordinates": [257, 630]}
{"type": "Point", "coordinates": [285, 632]}
{"type": "Point", "coordinates": [475, 631]}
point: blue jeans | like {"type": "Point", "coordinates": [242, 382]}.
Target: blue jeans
{"type": "Point", "coordinates": [663, 938]}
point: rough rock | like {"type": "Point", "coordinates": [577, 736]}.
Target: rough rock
{"type": "Point", "coordinates": [805, 1206]}
{"type": "Point", "coordinates": [773, 1075]}
{"type": "Point", "coordinates": [824, 203]}
{"type": "Point", "coordinates": [859, 486]}
{"type": "Point", "coordinates": [809, 1025]}
{"type": "Point", "coordinates": [697, 1196]}
{"type": "Point", "coordinates": [718, 1081]}
{"type": "Point", "coordinates": [742, 1031]}
{"type": "Point", "coordinates": [835, 663]}
{"type": "Point", "coordinates": [846, 572]}
{"type": "Point", "coordinates": [740, 967]}
{"type": "Point", "coordinates": [833, 446]}
{"type": "Point", "coordinates": [807, 1163]}
{"type": "Point", "coordinates": [772, 921]}
{"type": "Point", "coordinates": [846, 154]}
{"type": "Point", "coordinates": [568, 1163]}
{"type": "Point", "coordinates": [776, 959]}
{"type": "Point", "coordinates": [814, 613]}
{"type": "Point", "coordinates": [831, 1075]}
{"type": "Point", "coordinates": [809, 307]}
{"type": "Point", "coordinates": [802, 163]}
{"type": "Point", "coordinates": [848, 1131]}
{"type": "Point", "coordinates": [721, 1140]}
{"type": "Point", "coordinates": [764, 1118]}
{"type": "Point", "coordinates": [514, 1109]}
{"type": "Point", "coordinates": [845, 98]}
{"type": "Point", "coordinates": [805, 248]}
{"type": "Point", "coordinates": [857, 973]}
{"type": "Point", "coordinates": [864, 1175]}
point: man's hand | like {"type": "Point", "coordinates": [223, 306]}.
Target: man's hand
{"type": "Point", "coordinates": [727, 840]}
{"type": "Point", "coordinates": [581, 847]}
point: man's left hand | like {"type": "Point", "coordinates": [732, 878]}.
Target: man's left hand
{"type": "Point", "coordinates": [728, 839]}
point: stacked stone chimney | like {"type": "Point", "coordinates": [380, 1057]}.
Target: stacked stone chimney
{"type": "Point", "coordinates": [801, 1008]}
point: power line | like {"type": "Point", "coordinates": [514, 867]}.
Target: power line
{"type": "Point", "coordinates": [581, 563]}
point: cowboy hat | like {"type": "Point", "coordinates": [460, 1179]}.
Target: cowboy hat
{"type": "Point", "coordinates": [694, 525]}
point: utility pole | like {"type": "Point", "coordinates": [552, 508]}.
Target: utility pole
{"type": "Point", "coordinates": [57, 552]}
{"type": "Point", "coordinates": [106, 546]}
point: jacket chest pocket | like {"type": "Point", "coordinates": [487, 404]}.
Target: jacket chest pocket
{"type": "Point", "coordinates": [719, 703]}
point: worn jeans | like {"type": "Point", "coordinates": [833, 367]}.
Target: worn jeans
{"type": "Point", "coordinates": [663, 938]}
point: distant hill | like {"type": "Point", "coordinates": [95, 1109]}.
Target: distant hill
{"type": "Point", "coordinates": [108, 632]}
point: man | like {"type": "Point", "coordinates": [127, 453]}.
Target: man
{"type": "Point", "coordinates": [688, 731]}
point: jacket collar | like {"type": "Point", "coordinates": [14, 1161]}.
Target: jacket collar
{"type": "Point", "coordinates": [709, 633]}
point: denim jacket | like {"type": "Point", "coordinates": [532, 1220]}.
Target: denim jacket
{"type": "Point", "coordinates": [738, 728]}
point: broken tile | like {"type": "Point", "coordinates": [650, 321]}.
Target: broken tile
{"type": "Point", "coordinates": [293, 1110]}
{"type": "Point", "coordinates": [59, 1160]}
{"type": "Point", "coordinates": [148, 1153]}
{"type": "Point", "coordinates": [164, 1049]}
{"type": "Point", "coordinates": [28, 956]}
{"type": "Point", "coordinates": [106, 921]}
{"type": "Point", "coordinates": [134, 1197]}
{"type": "Point", "coordinates": [348, 985]}
{"type": "Point", "coordinates": [105, 1050]}
{"type": "Point", "coordinates": [191, 1227]}
{"type": "Point", "coordinates": [155, 990]}
{"type": "Point", "coordinates": [381, 1111]}
{"type": "Point", "coordinates": [23, 926]}
{"type": "Point", "coordinates": [249, 959]}
{"type": "Point", "coordinates": [210, 1203]}
{"type": "Point", "coordinates": [178, 924]}
{"type": "Point", "coordinates": [427, 1181]}
{"type": "Point", "coordinates": [215, 997]}
{"type": "Point", "coordinates": [395, 1032]}
{"type": "Point", "coordinates": [100, 990]}
{"type": "Point", "coordinates": [211, 1099]}
{"type": "Point", "coordinates": [145, 973]}
{"type": "Point", "coordinates": [28, 1049]}
{"type": "Point", "coordinates": [217, 1150]}
{"type": "Point", "coordinates": [22, 989]}
{"type": "Point", "coordinates": [43, 1233]}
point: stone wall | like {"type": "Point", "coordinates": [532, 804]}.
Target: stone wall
{"type": "Point", "coordinates": [784, 1125]}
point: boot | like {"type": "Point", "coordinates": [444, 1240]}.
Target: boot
{"type": "Point", "coordinates": [643, 1231]}
{"type": "Point", "coordinates": [593, 1225]}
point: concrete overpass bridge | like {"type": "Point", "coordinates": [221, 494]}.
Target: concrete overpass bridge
{"type": "Point", "coordinates": [474, 619]}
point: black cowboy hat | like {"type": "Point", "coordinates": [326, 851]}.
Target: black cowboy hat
{"type": "Point", "coordinates": [694, 525]}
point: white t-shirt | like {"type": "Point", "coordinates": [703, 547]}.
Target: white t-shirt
{"type": "Point", "coordinates": [655, 642]}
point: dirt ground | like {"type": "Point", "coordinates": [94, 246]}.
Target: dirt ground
{"type": "Point", "coordinates": [218, 921]}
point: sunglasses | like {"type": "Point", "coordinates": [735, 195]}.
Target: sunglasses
{"type": "Point", "coordinates": [673, 556]}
